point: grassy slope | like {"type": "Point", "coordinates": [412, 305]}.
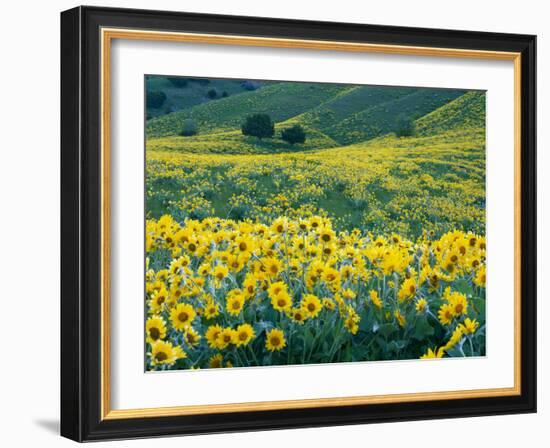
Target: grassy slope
{"type": "Point", "coordinates": [382, 118]}
{"type": "Point", "coordinates": [467, 111]}
{"type": "Point", "coordinates": [281, 100]}
{"type": "Point", "coordinates": [179, 98]}
{"type": "Point", "coordinates": [233, 142]}
{"type": "Point", "coordinates": [360, 112]}
{"type": "Point", "coordinates": [349, 102]}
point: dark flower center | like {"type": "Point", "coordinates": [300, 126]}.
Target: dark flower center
{"type": "Point", "coordinates": [154, 333]}
{"type": "Point", "coordinates": [161, 356]}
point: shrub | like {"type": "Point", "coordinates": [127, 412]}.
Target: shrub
{"type": "Point", "coordinates": [225, 94]}
{"type": "Point", "coordinates": [212, 94]}
{"type": "Point", "coordinates": [155, 99]}
{"type": "Point", "coordinates": [250, 85]}
{"type": "Point", "coordinates": [295, 134]}
{"type": "Point", "coordinates": [258, 125]}
{"type": "Point", "coordinates": [404, 126]}
{"type": "Point", "coordinates": [178, 82]}
{"type": "Point", "coordinates": [189, 128]}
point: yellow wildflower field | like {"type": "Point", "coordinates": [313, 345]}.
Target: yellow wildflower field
{"type": "Point", "coordinates": [373, 250]}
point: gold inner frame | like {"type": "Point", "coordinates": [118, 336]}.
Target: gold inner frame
{"type": "Point", "coordinates": [107, 35]}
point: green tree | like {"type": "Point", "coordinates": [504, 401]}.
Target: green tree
{"type": "Point", "coordinates": [404, 126]}
{"type": "Point", "coordinates": [189, 128]}
{"type": "Point", "coordinates": [212, 94]}
{"type": "Point", "coordinates": [295, 134]}
{"type": "Point", "coordinates": [249, 85]}
{"type": "Point", "coordinates": [155, 98]}
{"type": "Point", "coordinates": [258, 125]}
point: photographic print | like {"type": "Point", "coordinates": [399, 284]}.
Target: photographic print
{"type": "Point", "coordinates": [291, 223]}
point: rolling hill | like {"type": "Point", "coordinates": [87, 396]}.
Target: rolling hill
{"type": "Point", "coordinates": [281, 100]}
{"type": "Point", "coordinates": [183, 93]}
{"type": "Point", "coordinates": [465, 112]}
{"type": "Point", "coordinates": [332, 115]}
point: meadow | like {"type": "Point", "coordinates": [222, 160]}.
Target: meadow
{"type": "Point", "coordinates": [363, 243]}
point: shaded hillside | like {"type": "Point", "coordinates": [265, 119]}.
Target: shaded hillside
{"type": "Point", "coordinates": [183, 92]}
{"type": "Point", "coordinates": [281, 101]}
{"type": "Point", "coordinates": [332, 115]}
{"type": "Point", "coordinates": [383, 118]}
{"type": "Point", "coordinates": [349, 102]}
{"type": "Point", "coordinates": [467, 111]}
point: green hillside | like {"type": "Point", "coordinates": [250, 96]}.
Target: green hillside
{"type": "Point", "coordinates": [382, 118]}
{"type": "Point", "coordinates": [234, 142]}
{"type": "Point", "coordinates": [332, 115]}
{"type": "Point", "coordinates": [465, 112]}
{"type": "Point", "coordinates": [191, 92]}
{"type": "Point", "coordinates": [349, 102]}
{"type": "Point", "coordinates": [281, 101]}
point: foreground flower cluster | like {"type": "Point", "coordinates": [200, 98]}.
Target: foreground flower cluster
{"type": "Point", "coordinates": [222, 293]}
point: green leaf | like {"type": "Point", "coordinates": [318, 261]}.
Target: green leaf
{"type": "Point", "coordinates": [385, 330]}
{"type": "Point", "coordinates": [422, 329]}
{"type": "Point", "coordinates": [395, 346]}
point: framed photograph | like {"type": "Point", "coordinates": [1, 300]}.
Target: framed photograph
{"type": "Point", "coordinates": [275, 224]}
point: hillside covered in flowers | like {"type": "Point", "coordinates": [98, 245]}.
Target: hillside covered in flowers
{"type": "Point", "coordinates": [364, 242]}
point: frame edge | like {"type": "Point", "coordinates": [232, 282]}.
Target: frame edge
{"type": "Point", "coordinates": [71, 85]}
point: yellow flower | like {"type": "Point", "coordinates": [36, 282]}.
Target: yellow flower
{"type": "Point", "coordinates": [182, 316]}
{"type": "Point", "coordinates": [331, 276]}
{"type": "Point", "coordinates": [458, 302]}
{"type": "Point", "coordinates": [400, 318]}
{"type": "Point", "coordinates": [280, 299]}
{"type": "Point", "coordinates": [480, 277]}
{"type": "Point", "coordinates": [155, 329]}
{"type": "Point", "coordinates": [298, 315]}
{"type": "Point", "coordinates": [435, 353]}
{"type": "Point", "coordinates": [273, 266]}
{"type": "Point", "coordinates": [311, 304]}
{"type": "Point", "coordinates": [236, 262]}
{"type": "Point", "coordinates": [275, 340]}
{"type": "Point", "coordinates": [280, 225]}
{"type": "Point", "coordinates": [245, 244]}
{"type": "Point", "coordinates": [351, 323]}
{"type": "Point", "coordinates": [276, 289]}
{"type": "Point", "coordinates": [347, 271]}
{"type": "Point", "coordinates": [211, 309]}
{"type": "Point", "coordinates": [226, 337]}
{"type": "Point", "coordinates": [469, 326]}
{"type": "Point", "coordinates": [220, 272]}
{"type": "Point", "coordinates": [348, 294]}
{"type": "Point", "coordinates": [249, 285]}
{"type": "Point", "coordinates": [164, 353]}
{"type": "Point", "coordinates": [408, 290]}
{"type": "Point", "coordinates": [192, 337]}
{"type": "Point", "coordinates": [215, 362]}
{"type": "Point", "coordinates": [454, 339]}
{"type": "Point", "coordinates": [158, 300]}
{"type": "Point", "coordinates": [329, 304]}
{"type": "Point", "coordinates": [375, 299]}
{"type": "Point", "coordinates": [244, 334]}
{"type": "Point", "coordinates": [315, 222]}
{"type": "Point", "coordinates": [326, 235]}
{"type": "Point", "coordinates": [446, 314]}
{"type": "Point", "coordinates": [212, 335]}
{"type": "Point", "coordinates": [420, 305]}
{"type": "Point", "coordinates": [235, 302]}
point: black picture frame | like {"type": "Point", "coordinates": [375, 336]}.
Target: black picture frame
{"type": "Point", "coordinates": [81, 224]}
